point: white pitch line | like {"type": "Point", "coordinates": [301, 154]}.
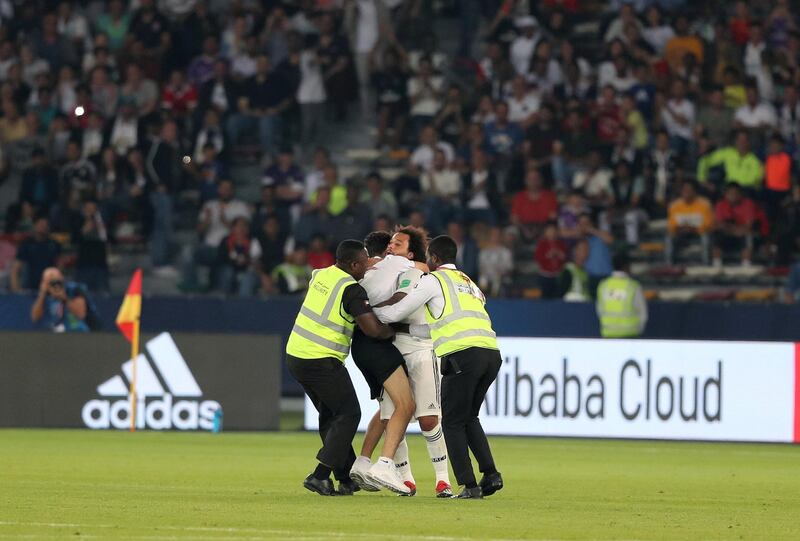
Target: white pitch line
{"type": "Point", "coordinates": [263, 531]}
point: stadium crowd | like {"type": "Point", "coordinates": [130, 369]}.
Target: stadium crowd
{"type": "Point", "coordinates": [562, 126]}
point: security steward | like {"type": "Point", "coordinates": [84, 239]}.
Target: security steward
{"type": "Point", "coordinates": [464, 340]}
{"type": "Point", "coordinates": [316, 351]}
{"type": "Point", "coordinates": [621, 306]}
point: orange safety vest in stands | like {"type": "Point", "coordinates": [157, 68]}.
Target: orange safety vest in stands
{"type": "Point", "coordinates": [778, 171]}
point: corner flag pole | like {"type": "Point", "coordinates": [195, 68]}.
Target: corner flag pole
{"type": "Point", "coordinates": [128, 321]}
{"type": "Point", "coordinates": [134, 355]}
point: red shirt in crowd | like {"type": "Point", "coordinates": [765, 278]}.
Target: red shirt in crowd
{"type": "Point", "coordinates": [746, 213]}
{"type": "Point", "coordinates": [528, 208]}
{"type": "Point", "coordinates": [180, 100]}
{"type": "Point", "coordinates": [551, 256]}
{"type": "Point", "coordinates": [320, 260]}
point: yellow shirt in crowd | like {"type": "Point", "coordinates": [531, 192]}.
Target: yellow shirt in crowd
{"type": "Point", "coordinates": [697, 214]}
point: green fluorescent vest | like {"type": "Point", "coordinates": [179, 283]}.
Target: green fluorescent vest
{"type": "Point", "coordinates": [464, 322]}
{"type": "Point", "coordinates": [322, 329]}
{"type": "Point", "coordinates": [615, 305]}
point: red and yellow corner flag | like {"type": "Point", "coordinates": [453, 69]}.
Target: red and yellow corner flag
{"type": "Point", "coordinates": [131, 309]}
{"type": "Point", "coordinates": [128, 323]}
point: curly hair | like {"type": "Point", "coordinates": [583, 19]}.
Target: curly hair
{"type": "Point", "coordinates": [417, 240]}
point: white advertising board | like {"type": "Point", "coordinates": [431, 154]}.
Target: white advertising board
{"type": "Point", "coordinates": [654, 389]}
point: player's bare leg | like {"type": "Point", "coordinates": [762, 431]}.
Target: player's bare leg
{"type": "Point", "coordinates": [363, 463]}
{"type": "Point", "coordinates": [384, 472]}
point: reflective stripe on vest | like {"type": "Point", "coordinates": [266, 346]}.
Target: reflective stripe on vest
{"type": "Point", "coordinates": [464, 322]}
{"type": "Point", "coordinates": [321, 329]}
{"type": "Point", "coordinates": [616, 308]}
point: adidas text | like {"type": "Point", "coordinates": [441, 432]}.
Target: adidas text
{"type": "Point", "coordinates": [157, 414]}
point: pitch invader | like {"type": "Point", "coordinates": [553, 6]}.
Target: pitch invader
{"type": "Point", "coordinates": [423, 374]}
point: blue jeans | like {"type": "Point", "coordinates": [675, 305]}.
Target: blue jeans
{"type": "Point", "coordinates": [268, 127]}
{"type": "Point", "coordinates": [161, 238]}
{"type": "Point", "coordinates": [243, 283]}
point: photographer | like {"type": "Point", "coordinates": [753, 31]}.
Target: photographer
{"type": "Point", "coordinates": [61, 304]}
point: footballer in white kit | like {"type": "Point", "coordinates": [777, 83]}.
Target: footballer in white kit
{"type": "Point", "coordinates": [424, 375]}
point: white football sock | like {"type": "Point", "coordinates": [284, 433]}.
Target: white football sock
{"type": "Point", "coordinates": [438, 452]}
{"type": "Point", "coordinates": [401, 462]}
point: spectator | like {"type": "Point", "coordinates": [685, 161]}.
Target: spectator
{"type": "Point", "coordinates": [219, 93]}
{"type": "Point", "coordinates": [573, 282]}
{"type": "Point", "coordinates": [736, 217]}
{"type": "Point", "coordinates": [740, 165]}
{"type": "Point", "coordinates": [13, 127]}
{"type": "Point", "coordinates": [598, 264]}
{"type": "Point", "coordinates": [479, 191]}
{"type": "Point", "coordinates": [311, 96]}
{"type": "Point", "coordinates": [238, 254]}
{"type": "Point", "coordinates": [495, 264]}
{"type": "Point", "coordinates": [39, 184]}
{"type": "Point", "coordinates": [681, 44]}
{"type": "Point", "coordinates": [337, 66]}
{"type": "Point", "coordinates": [779, 176]}
{"type": "Point", "coordinates": [210, 133]}
{"type": "Point", "coordinates": [442, 188]}
{"type": "Point", "coordinates": [319, 256]}
{"type": "Point", "coordinates": [523, 46]}
{"type": "Point", "coordinates": [661, 165]}
{"type": "Point", "coordinates": [91, 240]}
{"type": "Point", "coordinates": [678, 116]}
{"type": "Point", "coordinates": [271, 240]}
{"type": "Point", "coordinates": [467, 257]}
{"type": "Point", "coordinates": [550, 256]}
{"type": "Point", "coordinates": [657, 33]}
{"type": "Point", "coordinates": [380, 201]}
{"type": "Point", "coordinates": [423, 156]}
{"type": "Point", "coordinates": [714, 118]}
{"type": "Point", "coordinates": [216, 218]}
{"type": "Point", "coordinates": [203, 68]}
{"type": "Point", "coordinates": [61, 305]}
{"type": "Point", "coordinates": [178, 96]}
{"type": "Point", "coordinates": [755, 116]}
{"type": "Point", "coordinates": [78, 175]}
{"type": "Point", "coordinates": [594, 181]}
{"type": "Point", "coordinates": [354, 221]}
{"type": "Point", "coordinates": [125, 128]}
{"type": "Point", "coordinates": [533, 207]}
{"type": "Point", "coordinates": [690, 218]}
{"type": "Point", "coordinates": [391, 90]}
{"type": "Point", "coordinates": [425, 93]}
{"type": "Point", "coordinates": [503, 137]}
{"type": "Point", "coordinates": [292, 276]}
{"type": "Point", "coordinates": [626, 208]}
{"type": "Point", "coordinates": [287, 177]}
{"type": "Point", "coordinates": [264, 97]}
{"type": "Point", "coordinates": [315, 218]}
{"type": "Point", "coordinates": [34, 255]}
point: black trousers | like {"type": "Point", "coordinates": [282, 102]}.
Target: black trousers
{"type": "Point", "coordinates": [328, 385]}
{"type": "Point", "coordinates": [466, 376]}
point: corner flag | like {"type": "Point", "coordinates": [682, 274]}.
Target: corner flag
{"type": "Point", "coordinates": [131, 309]}
{"type": "Point", "coordinates": [128, 320]}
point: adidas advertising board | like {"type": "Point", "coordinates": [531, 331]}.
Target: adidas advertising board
{"type": "Point", "coordinates": [175, 404]}
{"type": "Point", "coordinates": [652, 389]}
{"type": "Point", "coordinates": [84, 380]}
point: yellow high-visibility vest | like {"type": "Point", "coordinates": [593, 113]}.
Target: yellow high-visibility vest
{"type": "Point", "coordinates": [322, 328]}
{"type": "Point", "coordinates": [616, 308]}
{"type": "Point", "coordinates": [464, 322]}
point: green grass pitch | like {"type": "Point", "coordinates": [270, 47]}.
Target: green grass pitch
{"type": "Point", "coordinates": [60, 484]}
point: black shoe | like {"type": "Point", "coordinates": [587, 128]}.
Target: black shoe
{"type": "Point", "coordinates": [473, 493]}
{"type": "Point", "coordinates": [347, 488]}
{"type": "Point", "coordinates": [323, 487]}
{"type": "Point", "coordinates": [491, 483]}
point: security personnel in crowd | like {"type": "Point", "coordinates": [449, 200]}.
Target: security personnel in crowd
{"type": "Point", "coordinates": [464, 340]}
{"type": "Point", "coordinates": [621, 305]}
{"type": "Point", "coordinates": [316, 351]}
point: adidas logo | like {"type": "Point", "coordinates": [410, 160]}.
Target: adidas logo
{"type": "Point", "coordinates": [171, 401]}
